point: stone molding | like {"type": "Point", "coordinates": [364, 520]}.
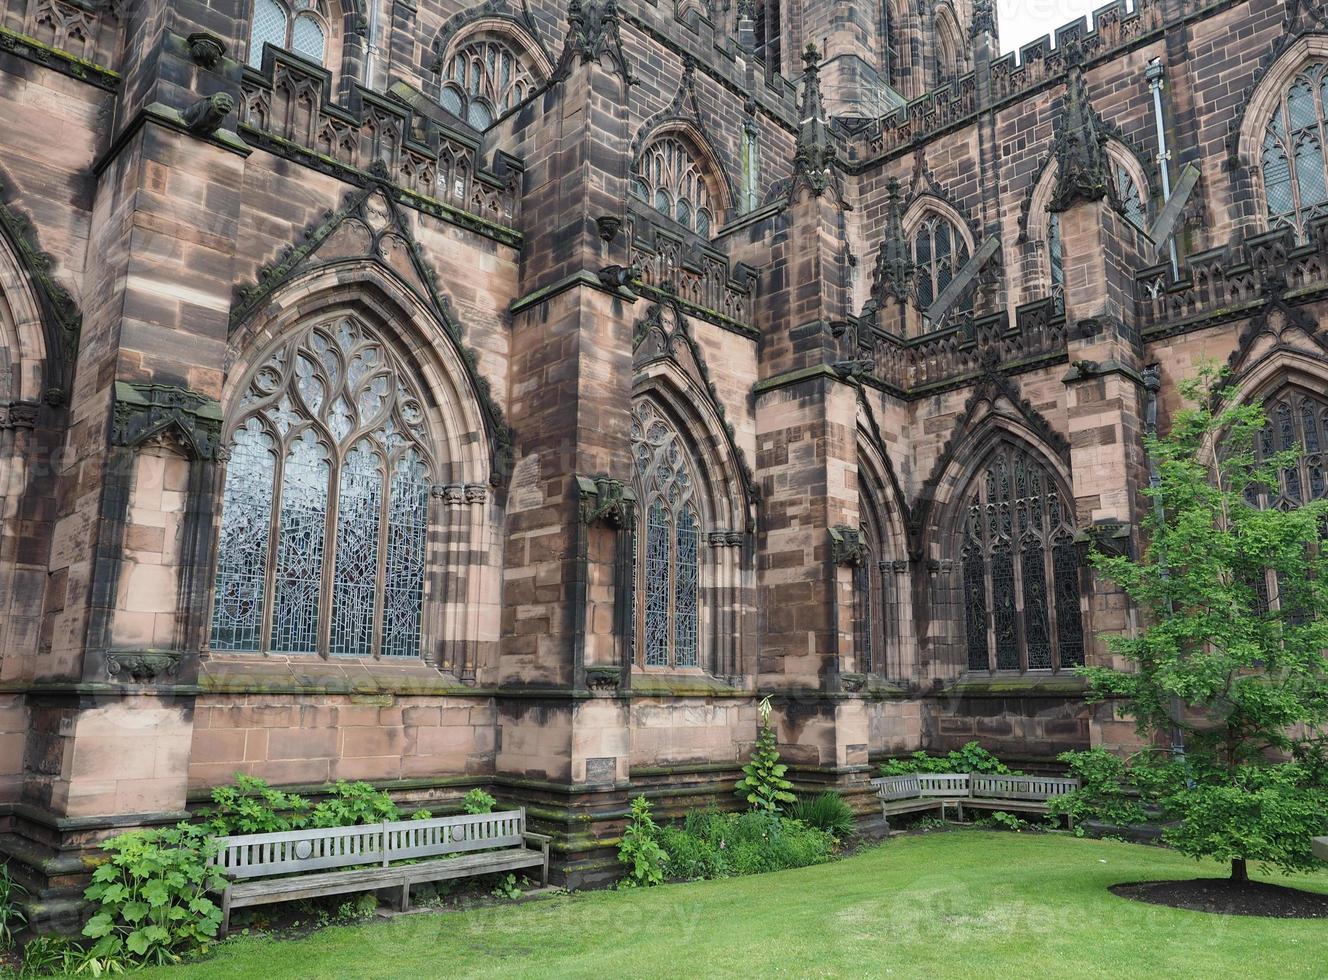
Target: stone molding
{"type": "Point", "coordinates": [145, 411]}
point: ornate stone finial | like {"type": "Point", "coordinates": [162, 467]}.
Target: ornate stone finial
{"type": "Point", "coordinates": [605, 501]}
{"type": "Point", "coordinates": [206, 115]}
{"type": "Point", "coordinates": [592, 35]}
{"type": "Point", "coordinates": [984, 18]}
{"type": "Point", "coordinates": [814, 160]}
{"type": "Point", "coordinates": [1079, 146]}
{"type": "Point", "coordinates": [893, 274]}
{"type": "Point", "coordinates": [145, 411]}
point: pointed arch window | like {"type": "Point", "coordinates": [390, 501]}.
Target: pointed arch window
{"type": "Point", "coordinates": [300, 26]}
{"type": "Point", "coordinates": [484, 80]}
{"type": "Point", "coordinates": [1056, 261]}
{"type": "Point", "coordinates": [1295, 175]}
{"type": "Point", "coordinates": [1296, 421]}
{"type": "Point", "coordinates": [939, 252]}
{"type": "Point", "coordinates": [668, 552]}
{"type": "Point", "coordinates": [325, 504]}
{"type": "Point", "coordinates": [1019, 569]}
{"type": "Point", "coordinates": [668, 177]}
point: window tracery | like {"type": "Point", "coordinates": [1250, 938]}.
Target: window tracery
{"type": "Point", "coordinates": [1019, 569]}
{"type": "Point", "coordinates": [300, 26]}
{"type": "Point", "coordinates": [939, 252]}
{"type": "Point", "coordinates": [484, 80]}
{"type": "Point", "coordinates": [324, 508]}
{"type": "Point", "coordinates": [669, 179]}
{"type": "Point", "coordinates": [668, 563]}
{"type": "Point", "coordinates": [1295, 176]}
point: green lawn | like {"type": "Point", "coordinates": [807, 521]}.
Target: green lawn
{"type": "Point", "coordinates": [978, 904]}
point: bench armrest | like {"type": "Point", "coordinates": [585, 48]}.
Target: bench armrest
{"type": "Point", "coordinates": [542, 841]}
{"type": "Point", "coordinates": [537, 838]}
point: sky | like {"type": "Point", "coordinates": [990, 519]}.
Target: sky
{"type": "Point", "coordinates": [1021, 21]}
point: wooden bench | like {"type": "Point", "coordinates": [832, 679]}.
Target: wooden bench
{"type": "Point", "coordinates": [1026, 794]}
{"type": "Point", "coordinates": [903, 794]}
{"type": "Point", "coordinates": [264, 868]}
{"type": "Point", "coordinates": [934, 791]}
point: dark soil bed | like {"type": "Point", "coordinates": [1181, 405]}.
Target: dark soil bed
{"type": "Point", "coordinates": [1227, 897]}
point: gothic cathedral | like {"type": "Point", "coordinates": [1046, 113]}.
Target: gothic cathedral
{"type": "Point", "coordinates": [515, 394]}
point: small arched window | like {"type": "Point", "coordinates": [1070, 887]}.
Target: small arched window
{"type": "Point", "coordinates": [668, 178]}
{"type": "Point", "coordinates": [939, 251]}
{"type": "Point", "coordinates": [484, 80]}
{"type": "Point", "coordinates": [325, 506]}
{"type": "Point", "coordinates": [1295, 177]}
{"type": "Point", "coordinates": [1020, 569]}
{"type": "Point", "coordinates": [668, 543]}
{"type": "Point", "coordinates": [300, 26]}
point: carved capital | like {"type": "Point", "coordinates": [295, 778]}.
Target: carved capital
{"type": "Point", "coordinates": [19, 415]}
{"type": "Point", "coordinates": [605, 501]}
{"type": "Point", "coordinates": [142, 666]}
{"type": "Point", "coordinates": [603, 678]}
{"type": "Point", "coordinates": [847, 545]}
{"type": "Point", "coordinates": [476, 493]}
{"type": "Point", "coordinates": [144, 411]}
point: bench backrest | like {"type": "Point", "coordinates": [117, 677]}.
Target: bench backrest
{"type": "Point", "coordinates": [301, 851]}
{"type": "Point", "coordinates": [947, 784]}
{"type": "Point", "coordinates": [1022, 787]}
{"type": "Point", "coordinates": [896, 787]}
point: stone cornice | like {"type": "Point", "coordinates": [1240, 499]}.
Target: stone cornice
{"type": "Point", "coordinates": [30, 49]}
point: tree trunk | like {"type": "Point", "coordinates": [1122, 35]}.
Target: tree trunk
{"type": "Point", "coordinates": [1239, 872]}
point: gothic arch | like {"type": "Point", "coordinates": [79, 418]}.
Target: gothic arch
{"type": "Point", "coordinates": [941, 514]}
{"type": "Point", "coordinates": [882, 590]}
{"type": "Point", "coordinates": [951, 61]}
{"type": "Point", "coordinates": [932, 201]}
{"type": "Point", "coordinates": [452, 524]}
{"type": "Point", "coordinates": [25, 338]}
{"type": "Point", "coordinates": [526, 76]}
{"type": "Point", "coordinates": [691, 134]}
{"type": "Point", "coordinates": [693, 411]}
{"type": "Point", "coordinates": [376, 294]}
{"type": "Point", "coordinates": [1259, 107]}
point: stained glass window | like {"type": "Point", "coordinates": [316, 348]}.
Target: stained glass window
{"type": "Point", "coordinates": [296, 25]}
{"type": "Point", "coordinates": [1295, 176]}
{"type": "Point", "coordinates": [669, 178]}
{"type": "Point", "coordinates": [1020, 569]}
{"type": "Point", "coordinates": [483, 80]}
{"type": "Point", "coordinates": [669, 564]}
{"type": "Point", "coordinates": [328, 466]}
{"type": "Point", "coordinates": [939, 252]}
{"type": "Point", "coordinates": [1129, 198]}
{"type": "Point", "coordinates": [1296, 421]}
{"type": "Point", "coordinates": [1056, 260]}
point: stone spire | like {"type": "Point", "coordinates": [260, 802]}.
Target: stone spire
{"type": "Point", "coordinates": [892, 276]}
{"type": "Point", "coordinates": [1081, 156]}
{"type": "Point", "coordinates": [814, 162]}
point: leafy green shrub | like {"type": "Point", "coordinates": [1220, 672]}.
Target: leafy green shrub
{"type": "Point", "coordinates": [1007, 821]}
{"type": "Point", "coordinates": [422, 814]}
{"type": "Point", "coordinates": [12, 916]}
{"type": "Point", "coordinates": [251, 806]}
{"type": "Point", "coordinates": [151, 895]}
{"type": "Point", "coordinates": [711, 844]}
{"type": "Point", "coordinates": [348, 804]}
{"type": "Point", "coordinates": [477, 801]}
{"type": "Point", "coordinates": [971, 758]}
{"type": "Point", "coordinates": [638, 850]}
{"type": "Point", "coordinates": [1106, 791]}
{"type": "Point", "coordinates": [827, 812]}
{"type": "Point", "coordinates": [46, 956]}
{"type": "Point", "coordinates": [763, 784]}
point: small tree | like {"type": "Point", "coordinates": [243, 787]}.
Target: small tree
{"type": "Point", "coordinates": [763, 784]}
{"type": "Point", "coordinates": [1235, 598]}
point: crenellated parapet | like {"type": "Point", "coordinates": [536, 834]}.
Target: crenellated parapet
{"type": "Point", "coordinates": [1227, 283]}
{"type": "Point", "coordinates": [702, 278]}
{"type": "Point", "coordinates": [285, 108]}
{"type": "Point", "coordinates": [1113, 29]}
{"type": "Point", "coordinates": [948, 358]}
